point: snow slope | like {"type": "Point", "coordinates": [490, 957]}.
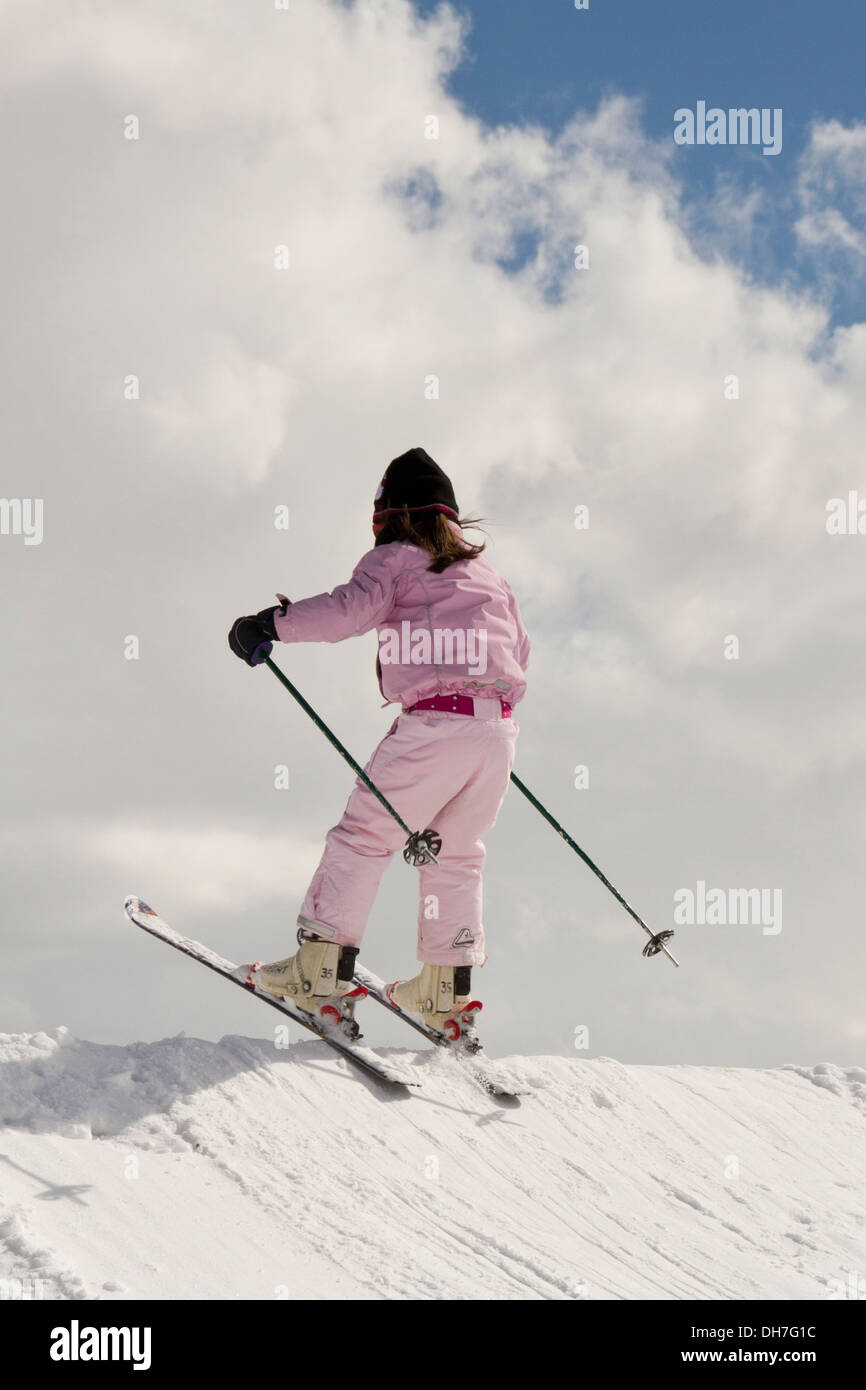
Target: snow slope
{"type": "Point", "coordinates": [183, 1169]}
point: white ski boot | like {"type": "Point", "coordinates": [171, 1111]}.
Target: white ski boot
{"type": "Point", "coordinates": [318, 979]}
{"type": "Point", "coordinates": [440, 998]}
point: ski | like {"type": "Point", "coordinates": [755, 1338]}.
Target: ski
{"type": "Point", "coordinates": [361, 1057]}
{"type": "Point", "coordinates": [489, 1077]}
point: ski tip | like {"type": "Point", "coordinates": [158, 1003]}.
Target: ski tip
{"type": "Point", "coordinates": [134, 904]}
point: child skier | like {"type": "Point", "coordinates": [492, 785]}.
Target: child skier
{"type": "Point", "coordinates": [452, 652]}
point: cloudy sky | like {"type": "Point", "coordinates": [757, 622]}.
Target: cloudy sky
{"type": "Point", "coordinates": [699, 386]}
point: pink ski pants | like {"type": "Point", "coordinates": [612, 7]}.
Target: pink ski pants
{"type": "Point", "coordinates": [441, 770]}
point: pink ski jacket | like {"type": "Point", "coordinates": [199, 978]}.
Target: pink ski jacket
{"type": "Point", "coordinates": [458, 632]}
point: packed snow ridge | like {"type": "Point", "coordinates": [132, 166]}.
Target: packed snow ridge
{"type": "Point", "coordinates": [189, 1169]}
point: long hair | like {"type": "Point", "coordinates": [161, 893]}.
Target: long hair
{"type": "Point", "coordinates": [434, 533]}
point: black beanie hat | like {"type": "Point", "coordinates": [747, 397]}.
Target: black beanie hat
{"type": "Point", "coordinates": [414, 481]}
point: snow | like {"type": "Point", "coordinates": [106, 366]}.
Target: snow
{"type": "Point", "coordinates": [190, 1169]}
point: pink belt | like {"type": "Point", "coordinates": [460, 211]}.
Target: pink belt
{"type": "Point", "coordinates": [456, 704]}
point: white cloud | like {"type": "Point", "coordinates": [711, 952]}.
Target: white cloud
{"type": "Point", "coordinates": [833, 172]}
{"type": "Point", "coordinates": [194, 866]}
{"type": "Point", "coordinates": [207, 866]}
{"type": "Point", "coordinates": [228, 418]}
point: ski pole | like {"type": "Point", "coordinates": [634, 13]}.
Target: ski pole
{"type": "Point", "coordinates": [657, 940]}
{"type": "Point", "coordinates": [422, 846]}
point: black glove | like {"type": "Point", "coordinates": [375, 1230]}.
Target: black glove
{"type": "Point", "coordinates": [252, 638]}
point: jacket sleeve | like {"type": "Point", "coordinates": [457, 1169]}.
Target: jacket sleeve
{"type": "Point", "coordinates": [348, 611]}
{"type": "Point", "coordinates": [522, 645]}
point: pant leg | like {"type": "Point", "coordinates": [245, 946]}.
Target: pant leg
{"type": "Point", "coordinates": [450, 924]}
{"type": "Point", "coordinates": [419, 767]}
